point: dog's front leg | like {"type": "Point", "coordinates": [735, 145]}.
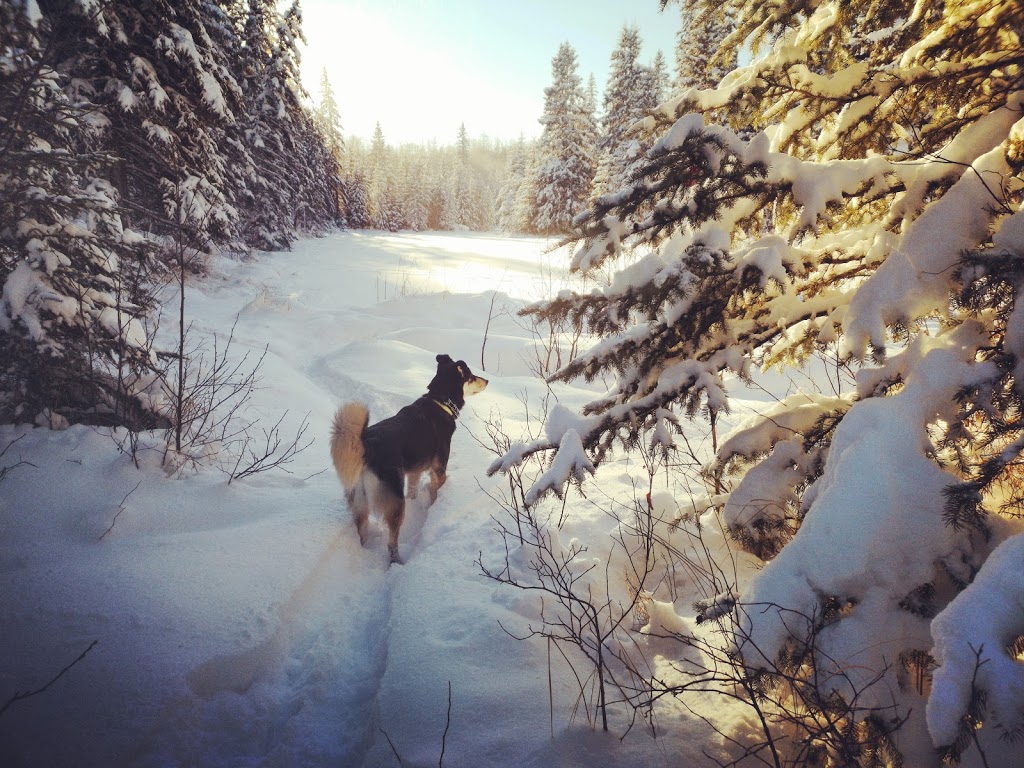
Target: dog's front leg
{"type": "Point", "coordinates": [438, 476]}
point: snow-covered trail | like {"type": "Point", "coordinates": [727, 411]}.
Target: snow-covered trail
{"type": "Point", "coordinates": [243, 624]}
{"type": "Point", "coordinates": [325, 665]}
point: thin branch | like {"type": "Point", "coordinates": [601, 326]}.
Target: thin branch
{"type": "Point", "coordinates": [21, 696]}
{"type": "Point", "coordinates": [447, 724]}
{"type": "Point", "coordinates": [391, 744]}
{"type": "Point", "coordinates": [120, 509]}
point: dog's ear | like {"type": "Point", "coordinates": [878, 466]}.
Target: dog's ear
{"type": "Point", "coordinates": [443, 359]}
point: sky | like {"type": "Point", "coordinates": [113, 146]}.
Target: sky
{"type": "Point", "coordinates": [421, 68]}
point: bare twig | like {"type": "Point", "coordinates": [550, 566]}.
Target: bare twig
{"type": "Point", "coordinates": [795, 699]}
{"type": "Point", "coordinates": [447, 724]}
{"type": "Point", "coordinates": [487, 327]}
{"type": "Point", "coordinates": [21, 696]}
{"type": "Point", "coordinates": [120, 509]}
{"type": "Point", "coordinates": [272, 454]}
{"type": "Point", "coordinates": [6, 470]}
{"type": "Point", "coordinates": [391, 744]}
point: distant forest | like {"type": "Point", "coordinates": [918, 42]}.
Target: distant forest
{"type": "Point", "coordinates": [587, 147]}
{"type": "Point", "coordinates": [136, 140]}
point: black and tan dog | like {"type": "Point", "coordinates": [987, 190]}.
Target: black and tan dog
{"type": "Point", "coordinates": [375, 462]}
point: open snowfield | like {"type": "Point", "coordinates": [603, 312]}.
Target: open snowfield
{"type": "Point", "coordinates": [243, 624]}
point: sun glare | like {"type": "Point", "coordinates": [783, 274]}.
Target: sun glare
{"type": "Point", "coordinates": [385, 73]}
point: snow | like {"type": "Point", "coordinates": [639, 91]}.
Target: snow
{"type": "Point", "coordinates": [15, 302]}
{"type": "Point", "coordinates": [126, 97]}
{"type": "Point", "coordinates": [32, 12]}
{"type": "Point", "coordinates": [147, 78]}
{"type": "Point", "coordinates": [770, 256]}
{"type": "Point", "coordinates": [860, 516]}
{"type": "Point", "coordinates": [770, 485]}
{"type": "Point", "coordinates": [972, 636]}
{"type": "Point", "coordinates": [688, 125]}
{"type": "Point", "coordinates": [913, 280]}
{"type": "Point", "coordinates": [120, 324]}
{"type": "Point", "coordinates": [571, 463]}
{"type": "Point", "coordinates": [212, 93]}
{"type": "Point", "coordinates": [243, 624]}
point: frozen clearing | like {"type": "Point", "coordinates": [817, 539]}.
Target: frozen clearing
{"type": "Point", "coordinates": [242, 624]}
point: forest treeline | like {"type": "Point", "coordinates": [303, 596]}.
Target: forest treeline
{"type": "Point", "coordinates": [588, 146]}
{"type": "Point", "coordinates": [135, 140]}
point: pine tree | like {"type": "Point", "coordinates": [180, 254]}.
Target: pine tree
{"type": "Point", "coordinates": [873, 223]}
{"type": "Point", "coordinates": [75, 304]}
{"type": "Point", "coordinates": [630, 93]}
{"type": "Point", "coordinates": [381, 204]}
{"type": "Point", "coordinates": [566, 148]}
{"type": "Point", "coordinates": [657, 90]}
{"type": "Point", "coordinates": [508, 211]}
{"type": "Point", "coordinates": [329, 117]}
{"type": "Point", "coordinates": [701, 59]}
{"type": "Point", "coordinates": [293, 181]}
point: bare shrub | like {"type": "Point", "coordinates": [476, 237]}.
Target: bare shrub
{"type": "Point", "coordinates": [608, 607]}
{"type": "Point", "coordinates": [6, 469]}
{"type": "Point", "coordinates": [272, 451]}
{"type": "Point", "coordinates": [211, 423]}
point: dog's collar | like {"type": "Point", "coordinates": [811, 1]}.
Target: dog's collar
{"type": "Point", "coordinates": [447, 406]}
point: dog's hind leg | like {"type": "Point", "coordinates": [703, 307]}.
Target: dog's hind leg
{"type": "Point", "coordinates": [394, 514]}
{"type": "Point", "coordinates": [390, 503]}
{"type": "Point", "coordinates": [412, 484]}
{"type": "Point", "coordinates": [438, 476]}
{"type": "Point", "coordinates": [359, 506]}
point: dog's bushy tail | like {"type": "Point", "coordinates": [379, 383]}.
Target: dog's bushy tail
{"type": "Point", "coordinates": [347, 442]}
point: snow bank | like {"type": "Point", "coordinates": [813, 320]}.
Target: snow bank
{"type": "Point", "coordinates": [973, 637]}
{"type": "Point", "coordinates": [915, 279]}
{"type": "Point", "coordinates": [879, 491]}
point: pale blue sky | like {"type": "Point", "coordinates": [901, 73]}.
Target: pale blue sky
{"type": "Point", "coordinates": [422, 67]}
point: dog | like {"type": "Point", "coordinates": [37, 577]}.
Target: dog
{"type": "Point", "coordinates": [374, 462]}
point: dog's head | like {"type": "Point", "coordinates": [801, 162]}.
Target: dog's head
{"type": "Point", "coordinates": [454, 381]}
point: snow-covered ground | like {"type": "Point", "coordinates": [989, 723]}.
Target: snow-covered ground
{"type": "Point", "coordinates": [243, 624]}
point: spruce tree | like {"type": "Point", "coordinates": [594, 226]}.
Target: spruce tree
{"type": "Point", "coordinates": [526, 198]}
{"type": "Point", "coordinates": [566, 149]}
{"type": "Point", "coordinates": [630, 93]}
{"type": "Point", "coordinates": [658, 87]}
{"type": "Point", "coordinates": [292, 185]}
{"type": "Point", "coordinates": [871, 222]}
{"type": "Point", "coordinates": [135, 119]}
{"type": "Point", "coordinates": [75, 303]}
{"type": "Point", "coordinates": [353, 200]}
{"type": "Point", "coordinates": [329, 117]}
{"type": "Point", "coordinates": [701, 59]}
{"type": "Point", "coordinates": [459, 200]}
{"type": "Point", "coordinates": [308, 159]}
{"type": "Point", "coordinates": [162, 80]}
{"type": "Point", "coordinates": [508, 211]}
{"type": "Point", "coordinates": [414, 194]}
{"type": "Point", "coordinates": [382, 206]}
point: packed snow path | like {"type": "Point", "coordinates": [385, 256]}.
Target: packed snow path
{"type": "Point", "coordinates": [243, 624]}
